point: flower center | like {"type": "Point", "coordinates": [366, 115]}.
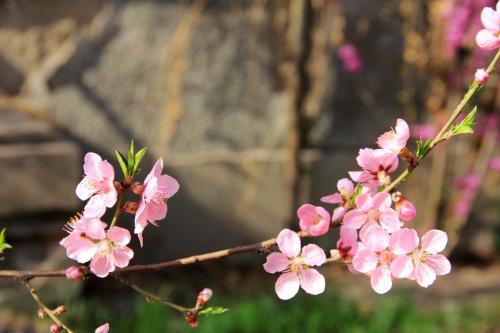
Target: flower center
{"type": "Point", "coordinates": [386, 257]}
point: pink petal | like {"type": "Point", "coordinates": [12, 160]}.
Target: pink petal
{"type": "Point", "coordinates": [92, 162]}
{"type": "Point", "coordinates": [94, 228]}
{"type": "Point", "coordinates": [381, 280]}
{"type": "Point", "coordinates": [382, 201]}
{"type": "Point", "coordinates": [101, 265]}
{"type": "Point", "coordinates": [424, 275]}
{"type": "Point", "coordinates": [389, 220]}
{"type": "Point", "coordinates": [401, 267]}
{"type": "Point", "coordinates": [490, 19]}
{"type": "Point", "coordinates": [374, 237]}
{"type": "Point", "coordinates": [360, 176]}
{"type": "Point", "coordinates": [439, 264]}
{"type": "Point", "coordinates": [155, 172]}
{"type": "Point", "coordinates": [287, 285]}
{"type": "Point", "coordinates": [487, 40]}
{"type": "Point", "coordinates": [122, 256]}
{"type": "Point", "coordinates": [348, 235]}
{"type": "Point", "coordinates": [403, 132]}
{"type": "Point", "coordinates": [85, 189]}
{"type": "Point", "coordinates": [312, 281]}
{"type": "Point", "coordinates": [95, 207]}
{"type": "Point", "coordinates": [364, 202]}
{"type": "Point", "coordinates": [346, 185]}
{"type": "Point", "coordinates": [156, 210]}
{"type": "Point", "coordinates": [334, 198]}
{"type": "Point", "coordinates": [313, 255]}
{"type": "Point", "coordinates": [338, 213]}
{"type": "Point", "coordinates": [288, 242]}
{"type": "Point", "coordinates": [106, 170]}
{"type": "Point", "coordinates": [276, 262]}
{"type": "Point", "coordinates": [365, 261]}
{"type": "Point", "coordinates": [102, 329]}
{"type": "Point", "coordinates": [79, 249]}
{"type": "Point", "coordinates": [109, 198]}
{"type": "Point", "coordinates": [150, 189]}
{"type": "Point", "coordinates": [355, 218]}
{"type": "Point", "coordinates": [367, 159]}
{"type": "Point", "coordinates": [434, 241]}
{"type": "Point", "coordinates": [403, 241]}
{"type": "Point", "coordinates": [167, 185]}
{"type": "Point", "coordinates": [118, 235]}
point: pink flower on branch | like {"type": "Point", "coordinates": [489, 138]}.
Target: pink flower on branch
{"type": "Point", "coordinates": [395, 139]}
{"type": "Point", "coordinates": [384, 256]}
{"type": "Point", "coordinates": [314, 220]}
{"type": "Point", "coordinates": [377, 165]}
{"type": "Point", "coordinates": [97, 185]}
{"type": "Point", "coordinates": [342, 197]}
{"type": "Point", "coordinates": [371, 210]}
{"type": "Point", "coordinates": [481, 76]}
{"type": "Point", "coordinates": [153, 207]}
{"type": "Point", "coordinates": [296, 266]}
{"type": "Point", "coordinates": [489, 37]}
{"type": "Point", "coordinates": [349, 56]}
{"type": "Point", "coordinates": [89, 241]}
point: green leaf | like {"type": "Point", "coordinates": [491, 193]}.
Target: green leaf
{"type": "Point", "coordinates": [422, 148]}
{"type": "Point", "coordinates": [123, 163]}
{"type": "Point", "coordinates": [131, 158]}
{"type": "Point", "coordinates": [213, 311]}
{"type": "Point", "coordinates": [3, 244]}
{"type": "Point", "coordinates": [138, 158]}
{"type": "Point", "coordinates": [466, 126]}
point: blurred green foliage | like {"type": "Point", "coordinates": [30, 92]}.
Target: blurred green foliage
{"type": "Point", "coordinates": [331, 312]}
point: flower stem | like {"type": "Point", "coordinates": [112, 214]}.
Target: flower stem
{"type": "Point", "coordinates": [442, 134]}
{"type": "Point", "coordinates": [117, 210]}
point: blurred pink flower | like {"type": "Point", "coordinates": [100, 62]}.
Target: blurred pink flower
{"type": "Point", "coordinates": [349, 56]}
{"type": "Point", "coordinates": [426, 261]}
{"type": "Point", "coordinates": [97, 185]}
{"type": "Point", "coordinates": [296, 266]}
{"type": "Point", "coordinates": [371, 210]}
{"type": "Point", "coordinates": [494, 163]}
{"type": "Point", "coordinates": [481, 76]}
{"type": "Point", "coordinates": [102, 329]}
{"type": "Point", "coordinates": [384, 256]}
{"type": "Point", "coordinates": [54, 328]}
{"type": "Point", "coordinates": [314, 220]}
{"type": "Point", "coordinates": [106, 250]}
{"type": "Point", "coordinates": [423, 131]}
{"type": "Point", "coordinates": [153, 207]}
{"type": "Point", "coordinates": [376, 163]}
{"type": "Point", "coordinates": [395, 139]}
{"type": "Point", "coordinates": [489, 37]}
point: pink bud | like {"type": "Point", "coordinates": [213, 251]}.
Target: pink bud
{"type": "Point", "coordinates": [55, 328]}
{"type": "Point", "coordinates": [192, 320]}
{"type": "Point", "coordinates": [130, 207]}
{"type": "Point", "coordinates": [204, 296]}
{"type": "Point", "coordinates": [481, 76]}
{"type": "Point", "coordinates": [41, 313]}
{"type": "Point", "coordinates": [137, 188]}
{"type": "Point", "coordinates": [60, 309]}
{"type": "Point", "coordinates": [74, 273]}
{"type": "Point", "coordinates": [406, 210]}
{"type": "Point", "coordinates": [102, 329]}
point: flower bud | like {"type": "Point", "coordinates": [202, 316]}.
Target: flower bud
{"type": "Point", "coordinates": [406, 210]}
{"type": "Point", "coordinates": [103, 328]}
{"type": "Point", "coordinates": [60, 309]}
{"type": "Point", "coordinates": [192, 320]}
{"type": "Point", "coordinates": [74, 273]}
{"type": "Point", "coordinates": [55, 328]}
{"type": "Point", "coordinates": [204, 296]}
{"type": "Point", "coordinates": [481, 76]}
{"type": "Point", "coordinates": [130, 207]}
{"type": "Point", "coordinates": [41, 313]}
{"type": "Point", "coordinates": [137, 188]}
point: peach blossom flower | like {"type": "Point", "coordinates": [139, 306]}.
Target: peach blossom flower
{"type": "Point", "coordinates": [489, 37]}
{"type": "Point", "coordinates": [314, 220]}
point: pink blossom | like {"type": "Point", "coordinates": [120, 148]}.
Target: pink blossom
{"type": "Point", "coordinates": [74, 273]}
{"type": "Point", "coordinates": [481, 76]}
{"type": "Point", "coordinates": [489, 37]}
{"type": "Point", "coordinates": [377, 164]}
{"type": "Point", "coordinates": [204, 296]}
{"type": "Point", "coordinates": [370, 210]}
{"type": "Point", "coordinates": [102, 329]}
{"type": "Point", "coordinates": [106, 250]}
{"type": "Point", "coordinates": [347, 246]}
{"type": "Point", "coordinates": [423, 131]}
{"type": "Point", "coordinates": [153, 207]}
{"type": "Point", "coordinates": [384, 256]}
{"type": "Point", "coordinates": [343, 197]}
{"type": "Point", "coordinates": [97, 185]}
{"type": "Point", "coordinates": [296, 266]}
{"type": "Point", "coordinates": [405, 209]}
{"type": "Point", "coordinates": [54, 328]}
{"type": "Point", "coordinates": [349, 56]}
{"type": "Point", "coordinates": [395, 139]}
{"type": "Point", "coordinates": [426, 262]}
{"type": "Point", "coordinates": [314, 220]}
{"type": "Point", "coordinates": [494, 163]}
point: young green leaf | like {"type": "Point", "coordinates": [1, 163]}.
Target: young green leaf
{"type": "Point", "coordinates": [422, 148]}
{"type": "Point", "coordinates": [3, 244]}
{"type": "Point", "coordinates": [466, 126]}
{"type": "Point", "coordinates": [123, 163]}
{"type": "Point", "coordinates": [213, 311]}
{"type": "Point", "coordinates": [138, 157]}
{"type": "Point", "coordinates": [131, 158]}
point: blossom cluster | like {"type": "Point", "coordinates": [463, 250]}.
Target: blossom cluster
{"type": "Point", "coordinates": [373, 237]}
{"type": "Point", "coordinates": [92, 240]}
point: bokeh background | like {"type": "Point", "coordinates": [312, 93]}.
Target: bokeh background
{"type": "Point", "coordinates": [256, 107]}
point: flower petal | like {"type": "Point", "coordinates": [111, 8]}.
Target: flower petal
{"type": "Point", "coordinates": [382, 201]}
{"type": "Point", "coordinates": [276, 262]}
{"type": "Point", "coordinates": [312, 281]}
{"type": "Point", "coordinates": [424, 275]}
{"type": "Point", "coordinates": [102, 329]}
{"type": "Point", "coordinates": [334, 198]}
{"type": "Point", "coordinates": [85, 189]}
{"type": "Point", "coordinates": [167, 185]}
{"type": "Point", "coordinates": [288, 243]}
{"type": "Point", "coordinates": [355, 219]}
{"type": "Point", "coordinates": [156, 171]}
{"type": "Point", "coordinates": [365, 261]}
{"type": "Point", "coordinates": [122, 256]}
{"type": "Point", "coordinates": [487, 40]}
{"type": "Point", "coordinates": [346, 185]}
{"type": "Point", "coordinates": [287, 285]}
{"type": "Point", "coordinates": [403, 241]}
{"type": "Point", "coordinates": [118, 235]}
{"type": "Point", "coordinates": [381, 280]}
{"type": "Point", "coordinates": [490, 19]}
{"type": "Point", "coordinates": [313, 255]}
{"type": "Point", "coordinates": [374, 237]}
{"type": "Point", "coordinates": [439, 263]}
{"type": "Point", "coordinates": [401, 267]}
{"type": "Point", "coordinates": [101, 265]}
{"type": "Point", "coordinates": [434, 241]}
